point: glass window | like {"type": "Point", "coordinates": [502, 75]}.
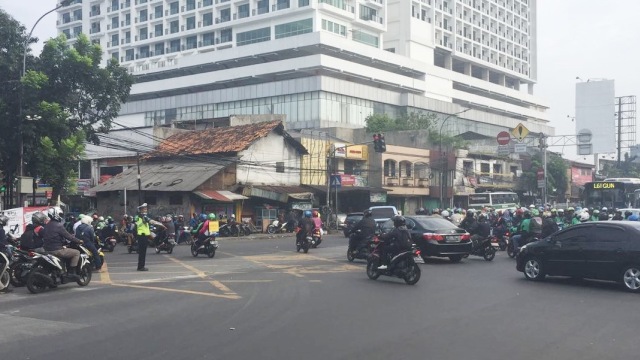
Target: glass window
{"type": "Point", "coordinates": [389, 168]}
{"type": "Point", "coordinates": [174, 26]}
{"type": "Point", "coordinates": [208, 39]}
{"type": "Point", "coordinates": [225, 15]}
{"type": "Point", "coordinates": [207, 2]}
{"type": "Point", "coordinates": [191, 4]}
{"type": "Point", "coordinates": [334, 28]}
{"type": "Point", "coordinates": [243, 11]}
{"type": "Point", "coordinates": [157, 12]}
{"type": "Point", "coordinates": [294, 28]}
{"type": "Point", "coordinates": [302, 3]}
{"type": "Point", "coordinates": [207, 19]}
{"type": "Point", "coordinates": [174, 8]}
{"type": "Point", "coordinates": [191, 23]}
{"type": "Point", "coordinates": [226, 35]}
{"type": "Point", "coordinates": [174, 46]}
{"type": "Point", "coordinates": [282, 4]}
{"type": "Point", "coordinates": [254, 36]}
{"type": "Point", "coordinates": [143, 15]}
{"type": "Point", "coordinates": [158, 30]}
{"type": "Point", "coordinates": [367, 13]}
{"type": "Point", "coordinates": [192, 42]}
{"type": "Point", "coordinates": [365, 38]}
{"type": "Point", "coordinates": [263, 6]}
{"type": "Point", "coordinates": [159, 49]}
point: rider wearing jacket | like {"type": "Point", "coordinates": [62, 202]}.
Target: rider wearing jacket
{"type": "Point", "coordinates": [86, 233]}
{"type": "Point", "coordinates": [55, 244]}
{"type": "Point", "coordinates": [549, 225]}
{"type": "Point", "coordinates": [306, 227]}
{"type": "Point", "coordinates": [4, 242]}
{"type": "Point", "coordinates": [395, 241]}
{"type": "Point", "coordinates": [367, 227]}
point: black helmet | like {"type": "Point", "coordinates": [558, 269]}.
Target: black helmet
{"type": "Point", "coordinates": [367, 213]}
{"type": "Point", "coordinates": [470, 213]}
{"type": "Point", "coordinates": [399, 220]}
{"type": "Point", "coordinates": [38, 218]}
{"type": "Point", "coordinates": [4, 220]}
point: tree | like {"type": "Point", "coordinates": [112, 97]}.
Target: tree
{"type": "Point", "coordinates": [557, 180]}
{"type": "Point", "coordinates": [65, 88]}
{"type": "Point", "coordinates": [60, 175]}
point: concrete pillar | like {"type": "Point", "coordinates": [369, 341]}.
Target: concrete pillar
{"type": "Point", "coordinates": [448, 62]}
{"type": "Point", "coordinates": [485, 74]}
{"type": "Point", "coordinates": [467, 69]}
{"type": "Point", "coordinates": [502, 79]}
{"type": "Point", "coordinates": [516, 85]}
{"type": "Point", "coordinates": [530, 85]}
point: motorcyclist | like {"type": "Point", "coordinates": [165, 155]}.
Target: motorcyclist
{"type": "Point", "coordinates": [457, 217]}
{"type": "Point", "coordinates": [395, 241]}
{"type": "Point", "coordinates": [4, 241]}
{"type": "Point", "coordinates": [178, 224]}
{"type": "Point", "coordinates": [481, 231]}
{"type": "Point", "coordinates": [595, 215]}
{"type": "Point", "coordinates": [109, 230]}
{"type": "Point", "coordinates": [54, 241]}
{"type": "Point", "coordinates": [469, 223]}
{"type": "Point", "coordinates": [500, 224]}
{"type": "Point", "coordinates": [100, 224]}
{"type": "Point", "coordinates": [584, 217]}
{"type": "Point", "coordinates": [445, 215]}
{"type": "Point", "coordinates": [315, 216]}
{"type": "Point", "coordinates": [523, 231]}
{"type": "Point", "coordinates": [31, 239]}
{"type": "Point", "coordinates": [366, 227]}
{"type": "Point", "coordinates": [130, 230]}
{"type": "Point", "coordinates": [86, 233]}
{"type": "Point", "coordinates": [306, 227]}
{"type": "Point", "coordinates": [627, 214]}
{"type": "Point", "coordinates": [549, 225]}
{"type": "Point", "coordinates": [617, 216]}
{"type": "Point", "coordinates": [604, 214]}
{"type": "Point", "coordinates": [535, 225]}
{"type": "Point", "coordinates": [208, 228]}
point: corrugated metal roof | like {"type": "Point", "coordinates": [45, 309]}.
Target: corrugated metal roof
{"type": "Point", "coordinates": [165, 176]}
{"type": "Point", "coordinates": [221, 140]}
{"type": "Point", "coordinates": [219, 195]}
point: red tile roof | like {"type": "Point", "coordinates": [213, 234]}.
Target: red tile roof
{"type": "Point", "coordinates": [230, 139]}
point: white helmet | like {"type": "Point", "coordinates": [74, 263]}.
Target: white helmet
{"type": "Point", "coordinates": [584, 216]}
{"type": "Point", "coordinates": [444, 213]}
{"type": "Point", "coordinates": [55, 213]}
{"type": "Point", "coordinates": [604, 208]}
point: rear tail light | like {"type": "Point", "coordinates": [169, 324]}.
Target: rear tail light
{"type": "Point", "coordinates": [417, 252]}
{"type": "Point", "coordinates": [432, 236]}
{"type": "Point", "coordinates": [32, 254]}
{"type": "Point", "coordinates": [465, 237]}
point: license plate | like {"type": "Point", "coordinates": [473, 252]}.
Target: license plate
{"type": "Point", "coordinates": [453, 238]}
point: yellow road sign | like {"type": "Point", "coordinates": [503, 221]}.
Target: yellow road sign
{"type": "Point", "coordinates": [520, 132]}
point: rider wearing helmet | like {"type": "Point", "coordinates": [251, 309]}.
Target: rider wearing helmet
{"type": "Point", "coordinates": [421, 211]}
{"type": "Point", "coordinates": [4, 242]}
{"type": "Point", "coordinates": [55, 244]}
{"type": "Point", "coordinates": [584, 216]}
{"type": "Point", "coordinates": [306, 227]}
{"type": "Point", "coordinates": [445, 215]}
{"type": "Point", "coordinates": [366, 226]}
{"type": "Point", "coordinates": [86, 233]}
{"type": "Point", "coordinates": [208, 228]}
{"type": "Point", "coordinates": [617, 216]}
{"type": "Point", "coordinates": [549, 225]}
{"type": "Point", "coordinates": [317, 221]}
{"type": "Point", "coordinates": [595, 216]}
{"type": "Point", "coordinates": [457, 217]}
{"type": "Point", "coordinates": [469, 223]}
{"type": "Point", "coordinates": [395, 241]}
{"type": "Point", "coordinates": [31, 239]}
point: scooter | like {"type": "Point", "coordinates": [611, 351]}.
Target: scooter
{"type": "Point", "coordinates": [5, 276]}
{"type": "Point", "coordinates": [277, 227]}
{"type": "Point", "coordinates": [316, 238]}
{"type": "Point", "coordinates": [167, 245]}
{"type": "Point", "coordinates": [363, 250]}
{"type": "Point", "coordinates": [208, 247]}
{"type": "Point", "coordinates": [184, 236]}
{"type": "Point", "coordinates": [109, 244]}
{"type": "Point", "coordinates": [21, 266]}
{"type": "Point", "coordinates": [401, 266]}
{"type": "Point", "coordinates": [50, 271]}
{"type": "Point", "coordinates": [304, 245]}
{"type": "Point", "coordinates": [484, 248]}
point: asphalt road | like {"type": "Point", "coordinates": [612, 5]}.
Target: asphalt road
{"type": "Point", "coordinates": [260, 299]}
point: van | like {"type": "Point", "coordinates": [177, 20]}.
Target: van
{"type": "Point", "coordinates": [383, 213]}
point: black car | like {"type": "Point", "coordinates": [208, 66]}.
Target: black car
{"type": "Point", "coordinates": [436, 236]}
{"type": "Point", "coordinates": [605, 250]}
{"type": "Point", "coordinates": [352, 219]}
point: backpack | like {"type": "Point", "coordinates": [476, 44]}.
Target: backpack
{"type": "Point", "coordinates": [29, 239]}
{"type": "Point", "coordinates": [535, 225]}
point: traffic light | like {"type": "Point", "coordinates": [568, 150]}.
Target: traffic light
{"type": "Point", "coordinates": [376, 143]}
{"type": "Point", "coordinates": [3, 188]}
{"type": "Point", "coordinates": [379, 144]}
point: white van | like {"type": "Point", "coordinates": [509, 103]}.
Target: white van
{"type": "Point", "coordinates": [383, 213]}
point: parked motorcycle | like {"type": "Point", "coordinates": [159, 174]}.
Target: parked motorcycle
{"type": "Point", "coordinates": [277, 227]}
{"type": "Point", "coordinates": [167, 245]}
{"type": "Point", "coordinates": [50, 271]}
{"type": "Point", "coordinates": [5, 276]}
{"type": "Point", "coordinates": [208, 247]}
{"type": "Point", "coordinates": [316, 238]}
{"type": "Point", "coordinates": [484, 248]}
{"type": "Point", "coordinates": [401, 266]}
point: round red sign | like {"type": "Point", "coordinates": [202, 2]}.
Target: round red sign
{"type": "Point", "coordinates": [503, 138]}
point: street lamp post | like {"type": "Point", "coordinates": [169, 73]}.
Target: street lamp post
{"type": "Point", "coordinates": [25, 46]}
{"type": "Point", "coordinates": [443, 161]}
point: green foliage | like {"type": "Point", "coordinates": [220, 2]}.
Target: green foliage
{"type": "Point", "coordinates": [66, 89]}
{"type": "Point", "coordinates": [627, 168]}
{"type": "Point", "coordinates": [60, 174]}
{"type": "Point", "coordinates": [556, 178]}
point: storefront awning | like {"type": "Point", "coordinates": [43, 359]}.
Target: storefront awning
{"type": "Point", "coordinates": [220, 195]}
{"type": "Point", "coordinates": [280, 193]}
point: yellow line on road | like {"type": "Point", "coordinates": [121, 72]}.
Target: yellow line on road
{"type": "Point", "coordinates": [217, 284]}
{"type": "Point", "coordinates": [231, 297]}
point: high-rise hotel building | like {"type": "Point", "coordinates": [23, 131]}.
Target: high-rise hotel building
{"type": "Point", "coordinates": [323, 63]}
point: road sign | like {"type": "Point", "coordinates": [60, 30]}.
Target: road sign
{"type": "Point", "coordinates": [336, 181]}
{"type": "Point", "coordinates": [540, 176]}
{"type": "Point", "coordinates": [520, 132]}
{"type": "Point", "coordinates": [503, 150]}
{"type": "Point", "coordinates": [503, 138]}
{"type": "Point", "coordinates": [520, 148]}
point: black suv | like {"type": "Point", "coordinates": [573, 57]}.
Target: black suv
{"type": "Point", "coordinates": [352, 219]}
{"type": "Point", "coordinates": [605, 250]}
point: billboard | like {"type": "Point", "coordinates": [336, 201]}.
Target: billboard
{"type": "Point", "coordinates": [595, 111]}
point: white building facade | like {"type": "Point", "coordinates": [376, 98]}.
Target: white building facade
{"type": "Point", "coordinates": [322, 63]}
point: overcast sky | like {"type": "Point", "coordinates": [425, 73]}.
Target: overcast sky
{"type": "Point", "coordinates": [585, 38]}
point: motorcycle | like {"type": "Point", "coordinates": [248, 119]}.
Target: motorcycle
{"type": "Point", "coordinates": [499, 241]}
{"type": "Point", "coordinates": [304, 244]}
{"type": "Point", "coordinates": [277, 227]}
{"type": "Point", "coordinates": [21, 266]}
{"type": "Point", "coordinates": [208, 247]}
{"type": "Point", "coordinates": [50, 271]}
{"type": "Point", "coordinates": [109, 244]}
{"type": "Point", "coordinates": [184, 236]}
{"type": "Point", "coordinates": [167, 245]}
{"type": "Point", "coordinates": [5, 276]}
{"type": "Point", "coordinates": [316, 238]}
{"type": "Point", "coordinates": [484, 248]}
{"type": "Point", "coordinates": [363, 250]}
{"type": "Point", "coordinates": [401, 266]}
{"type": "Point", "coordinates": [513, 252]}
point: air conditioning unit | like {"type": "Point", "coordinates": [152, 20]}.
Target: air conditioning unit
{"type": "Point", "coordinates": [217, 20]}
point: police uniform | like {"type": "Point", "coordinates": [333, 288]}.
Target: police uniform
{"type": "Point", "coordinates": [142, 236]}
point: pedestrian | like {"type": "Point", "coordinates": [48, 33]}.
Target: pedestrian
{"type": "Point", "coordinates": [142, 235]}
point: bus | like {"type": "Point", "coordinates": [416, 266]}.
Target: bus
{"type": "Point", "coordinates": [496, 200]}
{"type": "Point", "coordinates": [613, 193]}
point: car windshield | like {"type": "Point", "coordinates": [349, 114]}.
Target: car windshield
{"type": "Point", "coordinates": [354, 217]}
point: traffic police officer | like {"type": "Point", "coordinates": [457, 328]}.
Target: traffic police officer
{"type": "Point", "coordinates": [142, 235]}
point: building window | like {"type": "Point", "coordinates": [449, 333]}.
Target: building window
{"type": "Point", "coordinates": [144, 52]}
{"type": "Point", "coordinates": [421, 170]}
{"type": "Point", "coordinates": [280, 167]}
{"type": "Point", "coordinates": [497, 169]}
{"type": "Point", "coordinates": [367, 13]}
{"type": "Point", "coordinates": [254, 36]}
{"type": "Point", "coordinates": [191, 4]}
{"type": "Point", "coordinates": [207, 2]}
{"type": "Point", "coordinates": [243, 11]}
{"type": "Point", "coordinates": [282, 4]}
{"type": "Point", "coordinates": [174, 46]}
{"type": "Point", "coordinates": [225, 15]}
{"type": "Point", "coordinates": [207, 19]}
{"type": "Point", "coordinates": [128, 55]}
{"type": "Point", "coordinates": [226, 35]}
{"type": "Point", "coordinates": [143, 34]}
{"type": "Point", "coordinates": [174, 26]}
{"type": "Point", "coordinates": [174, 8]}
{"type": "Point", "coordinates": [467, 168]}
{"type": "Point", "coordinates": [405, 169]}
{"type": "Point", "coordinates": [514, 170]}
{"type": "Point", "coordinates": [365, 38]}
{"type": "Point", "coordinates": [192, 42]}
{"type": "Point", "coordinates": [263, 6]}
{"type": "Point", "coordinates": [158, 30]}
{"type": "Point", "coordinates": [143, 15]}
{"type": "Point", "coordinates": [175, 199]}
{"type": "Point", "coordinates": [389, 168]}
{"type": "Point", "coordinates": [157, 13]}
{"type": "Point", "coordinates": [334, 28]}
{"type": "Point", "coordinates": [159, 49]}
{"type": "Point", "coordinates": [485, 168]}
{"type": "Point", "coordinates": [302, 3]}
{"type": "Point", "coordinates": [294, 28]}
{"type": "Point", "coordinates": [150, 198]}
{"type": "Point", "coordinates": [207, 39]}
{"type": "Point", "coordinates": [191, 23]}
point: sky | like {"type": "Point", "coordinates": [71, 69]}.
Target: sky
{"type": "Point", "coordinates": [590, 39]}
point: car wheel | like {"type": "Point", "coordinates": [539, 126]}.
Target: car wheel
{"type": "Point", "coordinates": [631, 278]}
{"type": "Point", "coordinates": [533, 269]}
{"type": "Point", "coordinates": [455, 258]}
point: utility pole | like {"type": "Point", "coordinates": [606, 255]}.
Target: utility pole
{"type": "Point", "coordinates": [139, 180]}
